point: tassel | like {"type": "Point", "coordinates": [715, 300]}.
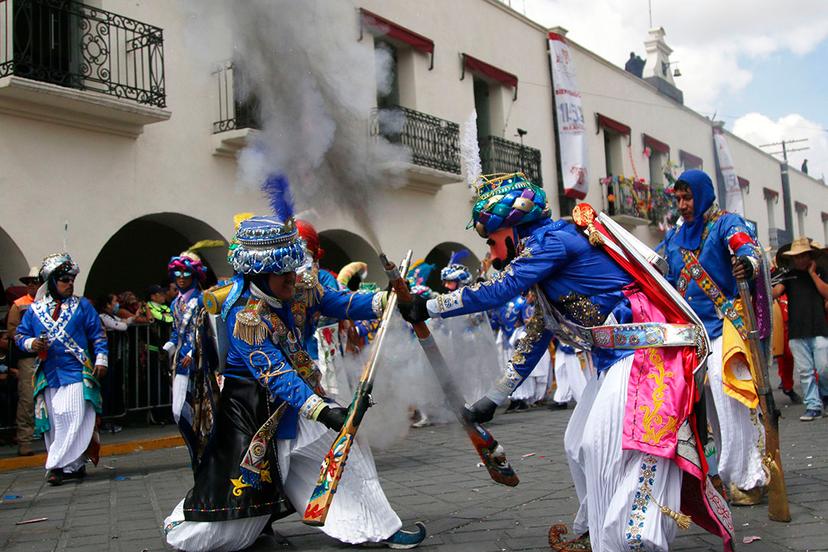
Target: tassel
{"type": "Point", "coordinates": [249, 326]}
{"type": "Point", "coordinates": [682, 520]}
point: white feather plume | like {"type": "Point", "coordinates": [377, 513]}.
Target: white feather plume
{"type": "Point", "coordinates": [470, 151]}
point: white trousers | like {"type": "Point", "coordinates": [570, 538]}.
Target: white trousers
{"type": "Point", "coordinates": [617, 489]}
{"type": "Point", "coordinates": [360, 512]}
{"type": "Point", "coordinates": [72, 423]}
{"type": "Point", "coordinates": [179, 396]}
{"type": "Point", "coordinates": [737, 431]}
{"type": "Point", "coordinates": [569, 377]}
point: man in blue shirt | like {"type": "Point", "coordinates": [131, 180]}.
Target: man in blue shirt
{"type": "Point", "coordinates": [62, 329]}
{"type": "Point", "coordinates": [274, 424]}
{"type": "Point", "coordinates": [625, 460]}
{"type": "Point", "coordinates": [706, 256]}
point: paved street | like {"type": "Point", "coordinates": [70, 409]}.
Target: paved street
{"type": "Point", "coordinates": [433, 476]}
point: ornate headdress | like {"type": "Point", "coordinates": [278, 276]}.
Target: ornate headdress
{"type": "Point", "coordinates": [58, 264]}
{"type": "Point", "coordinates": [190, 262]}
{"type": "Point", "coordinates": [454, 271]}
{"type": "Point", "coordinates": [506, 200]}
{"type": "Point", "coordinates": [269, 244]}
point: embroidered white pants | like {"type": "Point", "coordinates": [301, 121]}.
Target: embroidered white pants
{"type": "Point", "coordinates": [179, 396]}
{"type": "Point", "coordinates": [569, 377]}
{"type": "Point", "coordinates": [737, 431]}
{"type": "Point", "coordinates": [72, 423]}
{"type": "Point", "coordinates": [360, 512]}
{"type": "Point", "coordinates": [618, 489]}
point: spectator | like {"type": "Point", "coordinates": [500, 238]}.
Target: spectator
{"type": "Point", "coordinates": [156, 304]}
{"type": "Point", "coordinates": [804, 167]}
{"type": "Point", "coordinates": [24, 364]}
{"type": "Point", "coordinates": [172, 292]}
{"type": "Point", "coordinates": [132, 307]}
{"type": "Point", "coordinates": [61, 327]}
{"type": "Point", "coordinates": [108, 306]}
{"type": "Point", "coordinates": [807, 327]}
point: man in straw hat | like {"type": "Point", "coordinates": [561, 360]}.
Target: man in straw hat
{"type": "Point", "coordinates": [24, 362]}
{"type": "Point", "coordinates": [807, 291]}
{"type": "Point", "coordinates": [622, 441]}
{"type": "Point", "coordinates": [60, 328]}
{"type": "Point", "coordinates": [706, 256]}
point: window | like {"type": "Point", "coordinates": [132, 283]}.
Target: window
{"type": "Point", "coordinates": [690, 161]}
{"type": "Point", "coordinates": [801, 212]}
{"type": "Point", "coordinates": [824, 227]}
{"type": "Point", "coordinates": [387, 74]}
{"type": "Point", "coordinates": [771, 199]}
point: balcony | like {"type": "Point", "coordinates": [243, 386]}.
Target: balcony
{"type": "Point", "coordinates": [434, 144]}
{"type": "Point", "coordinates": [236, 121]}
{"type": "Point", "coordinates": [73, 64]}
{"type": "Point", "coordinates": [502, 156]}
{"type": "Point", "coordinates": [628, 201]}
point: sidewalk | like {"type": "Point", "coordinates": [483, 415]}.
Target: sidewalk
{"type": "Point", "coordinates": [431, 476]}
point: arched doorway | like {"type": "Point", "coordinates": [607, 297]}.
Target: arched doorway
{"type": "Point", "coordinates": [12, 266]}
{"type": "Point", "coordinates": [440, 255]}
{"type": "Point", "coordinates": [342, 247]}
{"type": "Point", "coordinates": [136, 256]}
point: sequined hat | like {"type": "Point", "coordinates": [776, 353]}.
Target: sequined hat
{"type": "Point", "coordinates": [59, 264]}
{"type": "Point", "coordinates": [266, 245]}
{"type": "Point", "coordinates": [454, 271]}
{"type": "Point", "coordinates": [506, 200]}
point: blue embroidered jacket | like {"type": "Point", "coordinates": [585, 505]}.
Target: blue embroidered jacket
{"type": "Point", "coordinates": [269, 362]}
{"type": "Point", "coordinates": [578, 278]}
{"type": "Point", "coordinates": [506, 318]}
{"type": "Point", "coordinates": [82, 333]}
{"type": "Point", "coordinates": [728, 235]}
{"type": "Point", "coordinates": [182, 336]}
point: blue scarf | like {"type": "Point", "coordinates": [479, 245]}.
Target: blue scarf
{"type": "Point", "coordinates": [689, 235]}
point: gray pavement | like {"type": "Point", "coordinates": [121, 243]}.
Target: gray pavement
{"type": "Point", "coordinates": [433, 476]}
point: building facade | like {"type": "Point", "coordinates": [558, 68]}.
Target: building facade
{"type": "Point", "coordinates": [119, 143]}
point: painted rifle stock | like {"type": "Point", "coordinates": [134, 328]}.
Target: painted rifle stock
{"type": "Point", "coordinates": [778, 507]}
{"type": "Point", "coordinates": [490, 452]}
{"type": "Point", "coordinates": [333, 465]}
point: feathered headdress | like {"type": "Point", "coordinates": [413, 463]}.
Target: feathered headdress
{"type": "Point", "coordinates": [277, 190]}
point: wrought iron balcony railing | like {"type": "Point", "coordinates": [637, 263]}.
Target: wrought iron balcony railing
{"type": "Point", "coordinates": [628, 198]}
{"type": "Point", "coordinates": [502, 156]}
{"type": "Point", "coordinates": [434, 142]}
{"type": "Point", "coordinates": [233, 114]}
{"type": "Point", "coordinates": [73, 45]}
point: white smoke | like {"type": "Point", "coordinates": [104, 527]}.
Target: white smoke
{"type": "Point", "coordinates": [404, 378]}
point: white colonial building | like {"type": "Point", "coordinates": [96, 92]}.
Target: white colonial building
{"type": "Point", "coordinates": [119, 143]}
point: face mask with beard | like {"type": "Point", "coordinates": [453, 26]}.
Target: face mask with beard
{"type": "Point", "coordinates": [502, 247]}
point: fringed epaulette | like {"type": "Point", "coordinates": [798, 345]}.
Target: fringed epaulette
{"type": "Point", "coordinates": [249, 326]}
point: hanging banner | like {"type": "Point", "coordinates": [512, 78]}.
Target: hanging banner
{"type": "Point", "coordinates": [571, 129]}
{"type": "Point", "coordinates": [734, 202]}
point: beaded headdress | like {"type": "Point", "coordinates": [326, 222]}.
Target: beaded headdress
{"type": "Point", "coordinates": [60, 264]}
{"type": "Point", "coordinates": [506, 200]}
{"type": "Point", "coordinates": [454, 271]}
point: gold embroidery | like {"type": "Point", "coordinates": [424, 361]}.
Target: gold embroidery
{"type": "Point", "coordinates": [580, 309]}
{"type": "Point", "coordinates": [239, 486]}
{"type": "Point", "coordinates": [653, 422]}
{"type": "Point", "coordinates": [524, 345]}
{"type": "Point", "coordinates": [249, 326]}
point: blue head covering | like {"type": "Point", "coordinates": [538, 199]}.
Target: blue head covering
{"type": "Point", "coordinates": [689, 235]}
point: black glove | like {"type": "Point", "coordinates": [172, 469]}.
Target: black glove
{"type": "Point", "coordinates": [415, 311]}
{"type": "Point", "coordinates": [480, 412]}
{"type": "Point", "coordinates": [333, 417]}
{"type": "Point", "coordinates": [746, 265]}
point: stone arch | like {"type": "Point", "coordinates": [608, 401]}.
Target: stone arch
{"type": "Point", "coordinates": [136, 256]}
{"type": "Point", "coordinates": [342, 247]}
{"type": "Point", "coordinates": [13, 264]}
{"type": "Point", "coordinates": [440, 255]}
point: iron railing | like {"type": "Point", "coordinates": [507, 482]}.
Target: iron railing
{"type": "Point", "coordinates": [233, 114]}
{"type": "Point", "coordinates": [502, 156]}
{"type": "Point", "coordinates": [627, 197]}
{"type": "Point", "coordinates": [434, 142]}
{"type": "Point", "coordinates": [73, 45]}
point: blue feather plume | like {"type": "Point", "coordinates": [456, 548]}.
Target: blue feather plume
{"type": "Point", "coordinates": [457, 256]}
{"type": "Point", "coordinates": [277, 190]}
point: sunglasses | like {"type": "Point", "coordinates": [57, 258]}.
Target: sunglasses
{"type": "Point", "coordinates": [66, 279]}
{"type": "Point", "coordinates": [182, 274]}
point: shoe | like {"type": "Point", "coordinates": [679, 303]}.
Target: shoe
{"type": "Point", "coordinates": [403, 540]}
{"type": "Point", "coordinates": [522, 406]}
{"type": "Point", "coordinates": [810, 415]}
{"type": "Point", "coordinates": [739, 497]}
{"type": "Point", "coordinates": [422, 422]}
{"type": "Point", "coordinates": [80, 474]}
{"type": "Point", "coordinates": [25, 450]}
{"type": "Point", "coordinates": [513, 404]}
{"type": "Point", "coordinates": [55, 478]}
{"type": "Point", "coordinates": [795, 398]}
{"type": "Point", "coordinates": [558, 406]}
